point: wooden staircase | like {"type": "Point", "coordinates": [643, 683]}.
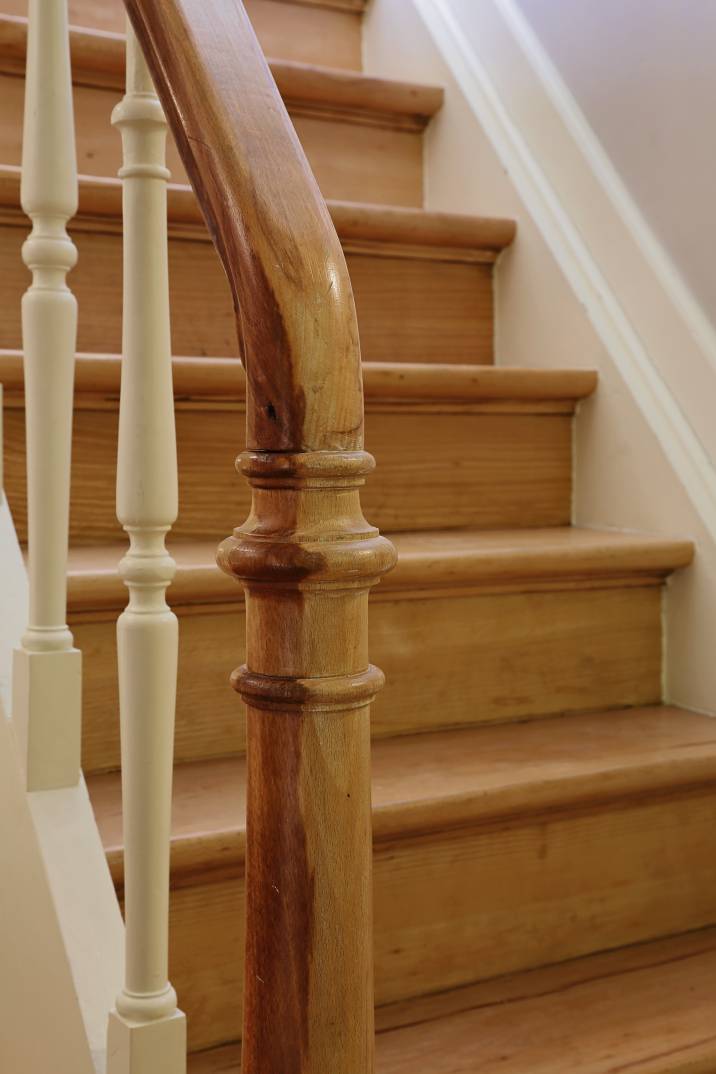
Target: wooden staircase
{"type": "Point", "coordinates": [543, 826]}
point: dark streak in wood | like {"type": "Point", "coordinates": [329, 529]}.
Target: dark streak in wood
{"type": "Point", "coordinates": [296, 318]}
{"type": "Point", "coordinates": [279, 900]}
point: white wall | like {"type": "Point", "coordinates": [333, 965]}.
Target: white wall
{"type": "Point", "coordinates": [643, 74]}
{"type": "Point", "coordinates": [626, 474]}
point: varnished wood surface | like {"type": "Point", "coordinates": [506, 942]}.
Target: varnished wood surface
{"type": "Point", "coordinates": [488, 901]}
{"type": "Point", "coordinates": [550, 844]}
{"type": "Point", "coordinates": [306, 556]}
{"type": "Point", "coordinates": [521, 624]}
{"type": "Point", "coordinates": [323, 33]}
{"type": "Point", "coordinates": [441, 559]}
{"type": "Point", "coordinates": [483, 466]}
{"type": "Point", "coordinates": [409, 382]}
{"type": "Point", "coordinates": [417, 300]}
{"type": "Point", "coordinates": [291, 25]}
{"type": "Point", "coordinates": [412, 229]}
{"type": "Point", "coordinates": [409, 309]}
{"type": "Point", "coordinates": [452, 658]}
{"type": "Point", "coordinates": [646, 1008]}
{"type": "Point", "coordinates": [98, 60]}
{"type": "Point", "coordinates": [357, 151]}
{"type": "Point", "coordinates": [430, 784]}
{"type": "Point", "coordinates": [420, 296]}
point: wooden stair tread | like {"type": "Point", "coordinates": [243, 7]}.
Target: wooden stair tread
{"type": "Point", "coordinates": [449, 779]}
{"type": "Point", "coordinates": [646, 1009]}
{"type": "Point", "coordinates": [426, 560]}
{"type": "Point", "coordinates": [98, 60]}
{"type": "Point", "coordinates": [197, 377]}
{"type": "Point", "coordinates": [101, 197]}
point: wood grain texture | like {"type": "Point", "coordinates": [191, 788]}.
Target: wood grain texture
{"type": "Point", "coordinates": [528, 623]}
{"type": "Point", "coordinates": [452, 236]}
{"type": "Point", "coordinates": [408, 383]}
{"type": "Point", "coordinates": [418, 310]}
{"type": "Point", "coordinates": [363, 162]}
{"type": "Point", "coordinates": [315, 34]}
{"type": "Point", "coordinates": [602, 649]}
{"type": "Point", "coordinates": [409, 309]}
{"type": "Point", "coordinates": [647, 1008]}
{"type": "Point", "coordinates": [276, 24]}
{"type": "Point", "coordinates": [305, 555]}
{"type": "Point", "coordinates": [456, 561]}
{"type": "Point", "coordinates": [531, 846]}
{"type": "Point", "coordinates": [351, 159]}
{"type": "Point", "coordinates": [98, 60]}
{"type": "Point", "coordinates": [362, 135]}
{"type": "Point", "coordinates": [490, 468]}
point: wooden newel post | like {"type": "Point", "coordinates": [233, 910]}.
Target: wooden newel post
{"type": "Point", "coordinates": [307, 560]}
{"type": "Point", "coordinates": [306, 556]}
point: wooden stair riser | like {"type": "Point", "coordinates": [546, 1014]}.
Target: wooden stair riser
{"type": "Point", "coordinates": [490, 468]}
{"type": "Point", "coordinates": [468, 905]}
{"type": "Point", "coordinates": [450, 659]}
{"type": "Point", "coordinates": [410, 308]}
{"type": "Point", "coordinates": [328, 34]}
{"type": "Point", "coordinates": [352, 158]}
{"type": "Point", "coordinates": [650, 1004]}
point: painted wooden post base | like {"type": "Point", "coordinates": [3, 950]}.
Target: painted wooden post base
{"type": "Point", "coordinates": [46, 702]}
{"type": "Point", "coordinates": [156, 1047]}
{"type": "Point", "coordinates": [47, 669]}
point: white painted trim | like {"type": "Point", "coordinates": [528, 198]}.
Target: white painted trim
{"type": "Point", "coordinates": [533, 173]}
{"type": "Point", "coordinates": [85, 905]}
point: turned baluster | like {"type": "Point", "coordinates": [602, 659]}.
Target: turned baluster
{"type": "Point", "coordinates": [147, 1034]}
{"type": "Point", "coordinates": [306, 556]}
{"type": "Point", "coordinates": [47, 668]}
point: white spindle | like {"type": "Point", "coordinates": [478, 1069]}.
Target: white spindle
{"type": "Point", "coordinates": [47, 668]}
{"type": "Point", "coordinates": [147, 1034]}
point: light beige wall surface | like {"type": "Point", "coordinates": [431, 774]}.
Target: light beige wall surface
{"type": "Point", "coordinates": [41, 1029]}
{"type": "Point", "coordinates": [623, 479]}
{"type": "Point", "coordinates": [643, 74]}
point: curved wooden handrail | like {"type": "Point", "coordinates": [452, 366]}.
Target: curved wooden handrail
{"type": "Point", "coordinates": [296, 317]}
{"type": "Point", "coordinates": [306, 556]}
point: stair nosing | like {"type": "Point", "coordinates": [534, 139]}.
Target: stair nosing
{"type": "Point", "coordinates": [98, 58]}
{"type": "Point", "coordinates": [421, 382]}
{"type": "Point", "coordinates": [669, 770]}
{"type": "Point", "coordinates": [488, 561]}
{"type": "Point", "coordinates": [421, 230]}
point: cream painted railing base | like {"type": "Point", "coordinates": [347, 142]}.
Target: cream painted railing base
{"type": "Point", "coordinates": [46, 697]}
{"type": "Point", "coordinates": [157, 1047]}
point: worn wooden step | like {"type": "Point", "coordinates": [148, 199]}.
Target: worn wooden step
{"type": "Point", "coordinates": [643, 1009]}
{"type": "Point", "coordinates": [469, 628]}
{"type": "Point", "coordinates": [496, 849]}
{"type": "Point", "coordinates": [362, 135]}
{"type": "Point", "coordinates": [422, 281]}
{"type": "Point", "coordinates": [454, 446]}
